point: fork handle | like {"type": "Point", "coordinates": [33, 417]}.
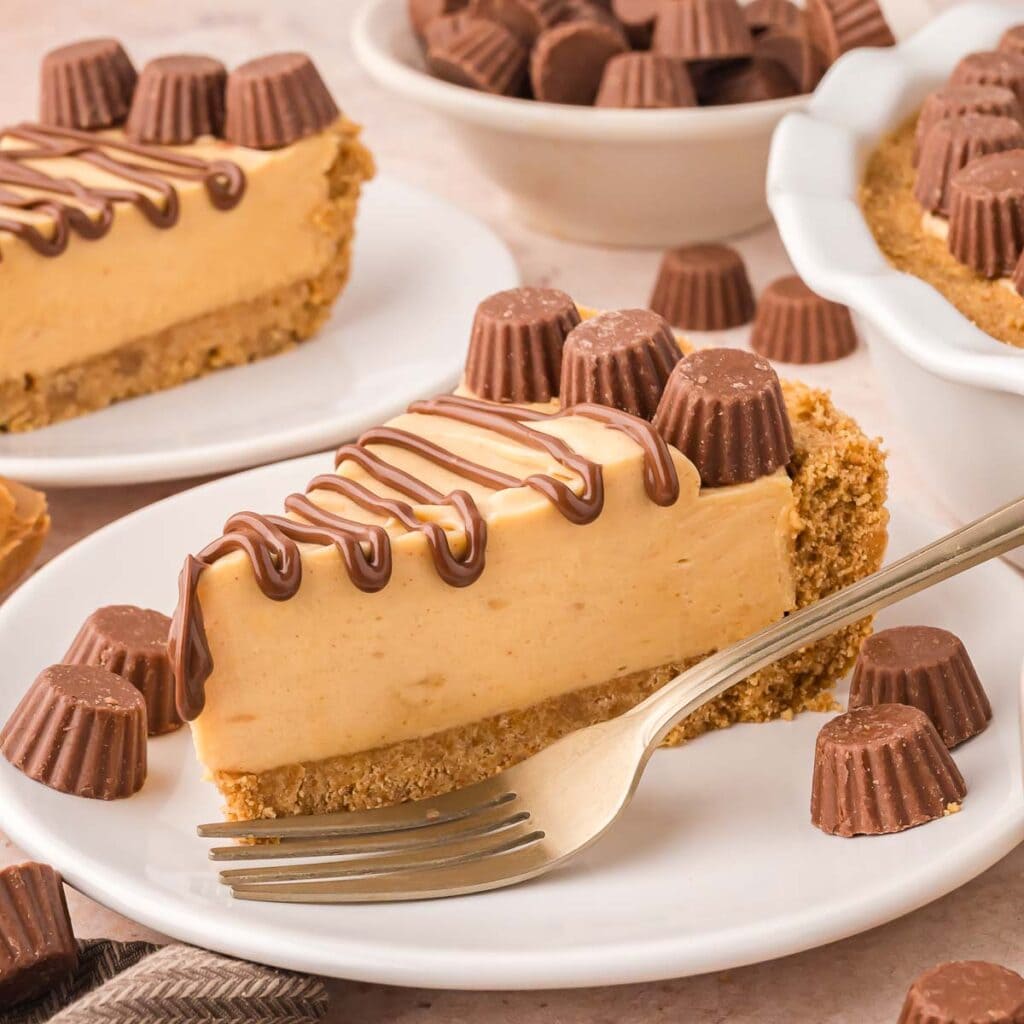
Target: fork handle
{"type": "Point", "coordinates": [988, 537]}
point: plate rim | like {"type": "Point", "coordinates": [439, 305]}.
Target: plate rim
{"type": "Point", "coordinates": [627, 961]}
{"type": "Point", "coordinates": [75, 471]}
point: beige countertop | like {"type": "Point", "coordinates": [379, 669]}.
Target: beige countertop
{"type": "Point", "coordinates": [858, 981]}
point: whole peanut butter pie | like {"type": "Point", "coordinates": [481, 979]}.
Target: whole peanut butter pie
{"type": "Point", "coordinates": [491, 569]}
{"type": "Point", "coordinates": [157, 226]}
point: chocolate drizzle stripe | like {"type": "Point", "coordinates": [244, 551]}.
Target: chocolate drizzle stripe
{"type": "Point", "coordinates": [156, 172]}
{"type": "Point", "coordinates": [270, 542]}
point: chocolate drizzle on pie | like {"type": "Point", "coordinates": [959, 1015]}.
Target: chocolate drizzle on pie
{"type": "Point", "coordinates": [144, 169]}
{"type": "Point", "coordinates": [270, 542]}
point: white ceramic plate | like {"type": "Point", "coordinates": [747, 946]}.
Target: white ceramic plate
{"type": "Point", "coordinates": [714, 865]}
{"type": "Point", "coordinates": [398, 331]}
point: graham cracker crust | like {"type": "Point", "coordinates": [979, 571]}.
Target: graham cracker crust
{"type": "Point", "coordinates": [895, 218]}
{"type": "Point", "coordinates": [840, 483]}
{"type": "Point", "coordinates": [234, 335]}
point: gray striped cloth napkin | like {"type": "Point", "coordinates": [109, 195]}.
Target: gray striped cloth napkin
{"type": "Point", "coordinates": [138, 983]}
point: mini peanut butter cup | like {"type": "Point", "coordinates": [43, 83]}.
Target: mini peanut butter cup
{"type": "Point", "coordinates": [568, 61]}
{"type": "Point", "coordinates": [749, 81]}
{"type": "Point", "coordinates": [587, 10]}
{"type": "Point", "coordinates": [764, 15]}
{"type": "Point", "coordinates": [82, 730]}
{"type": "Point", "coordinates": [840, 25]}
{"type": "Point", "coordinates": [958, 100]}
{"type": "Point", "coordinates": [796, 325]}
{"type": "Point", "coordinates": [622, 358]}
{"type": "Point", "coordinates": [86, 85]}
{"type": "Point", "coordinates": [276, 100]}
{"type": "Point", "coordinates": [423, 12]}
{"type": "Point", "coordinates": [177, 99]}
{"type": "Point", "coordinates": [794, 52]}
{"type": "Point", "coordinates": [927, 668]}
{"type": "Point", "coordinates": [440, 32]}
{"type": "Point", "coordinates": [992, 67]}
{"type": "Point", "coordinates": [965, 992]}
{"type": "Point", "coordinates": [723, 409]}
{"type": "Point", "coordinates": [882, 769]}
{"type": "Point", "coordinates": [637, 18]}
{"type": "Point", "coordinates": [955, 142]}
{"type": "Point", "coordinates": [701, 30]}
{"type": "Point", "coordinates": [525, 19]}
{"type": "Point", "coordinates": [132, 642]}
{"type": "Point", "coordinates": [986, 213]}
{"type": "Point", "coordinates": [37, 946]}
{"type": "Point", "coordinates": [645, 80]}
{"type": "Point", "coordinates": [484, 55]}
{"type": "Point", "coordinates": [515, 348]}
{"type": "Point", "coordinates": [703, 288]}
{"type": "Point", "coordinates": [1012, 40]}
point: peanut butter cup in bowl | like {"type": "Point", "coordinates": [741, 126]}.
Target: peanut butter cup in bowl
{"type": "Point", "coordinates": [642, 123]}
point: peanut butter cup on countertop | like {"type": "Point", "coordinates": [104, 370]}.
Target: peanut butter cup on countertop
{"type": "Point", "coordinates": [37, 946]}
{"type": "Point", "coordinates": [703, 287]}
{"type": "Point", "coordinates": [965, 992]}
{"type": "Point", "coordinates": [793, 324]}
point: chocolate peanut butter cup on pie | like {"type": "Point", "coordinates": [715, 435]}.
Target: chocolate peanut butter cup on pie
{"type": "Point", "coordinates": [503, 572]}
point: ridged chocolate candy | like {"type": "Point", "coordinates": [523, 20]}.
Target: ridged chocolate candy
{"type": "Point", "coordinates": [701, 30]}
{"type": "Point", "coordinates": [423, 12]}
{"type": "Point", "coordinates": [986, 213]}
{"type": "Point", "coordinates": [882, 769]}
{"type": "Point", "coordinates": [587, 10]}
{"type": "Point", "coordinates": [484, 56]}
{"type": "Point", "coordinates": [763, 15]}
{"type": "Point", "coordinates": [954, 143]}
{"type": "Point", "coordinates": [645, 80]}
{"type": "Point", "coordinates": [441, 32]}
{"type": "Point", "coordinates": [749, 81]}
{"type": "Point", "coordinates": [965, 992]}
{"type": "Point", "coordinates": [81, 730]}
{"type": "Point", "coordinates": [991, 67]}
{"type": "Point", "coordinates": [568, 61]}
{"type": "Point", "coordinates": [703, 288]}
{"type": "Point", "coordinates": [37, 946]}
{"type": "Point", "coordinates": [796, 325]}
{"type": "Point", "coordinates": [723, 409]}
{"type": "Point", "coordinates": [525, 19]}
{"type": "Point", "coordinates": [958, 100]}
{"type": "Point", "coordinates": [622, 358]}
{"type": "Point", "coordinates": [1013, 40]}
{"type": "Point", "coordinates": [86, 85]}
{"type": "Point", "coordinates": [929, 669]}
{"type": "Point", "coordinates": [794, 52]}
{"type": "Point", "coordinates": [177, 99]}
{"type": "Point", "coordinates": [837, 26]}
{"type": "Point", "coordinates": [637, 17]}
{"type": "Point", "coordinates": [132, 642]}
{"type": "Point", "coordinates": [276, 100]}
{"type": "Point", "coordinates": [515, 348]}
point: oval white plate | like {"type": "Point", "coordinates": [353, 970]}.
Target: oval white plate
{"type": "Point", "coordinates": [714, 865]}
{"type": "Point", "coordinates": [399, 330]}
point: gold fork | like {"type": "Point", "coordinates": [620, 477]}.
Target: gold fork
{"type": "Point", "coordinates": [536, 815]}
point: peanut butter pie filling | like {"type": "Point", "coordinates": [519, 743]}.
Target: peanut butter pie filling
{"type": "Point", "coordinates": [158, 227]}
{"type": "Point", "coordinates": [477, 578]}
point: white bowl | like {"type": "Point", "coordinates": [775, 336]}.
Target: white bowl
{"type": "Point", "coordinates": [614, 177]}
{"type": "Point", "coordinates": [958, 392]}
